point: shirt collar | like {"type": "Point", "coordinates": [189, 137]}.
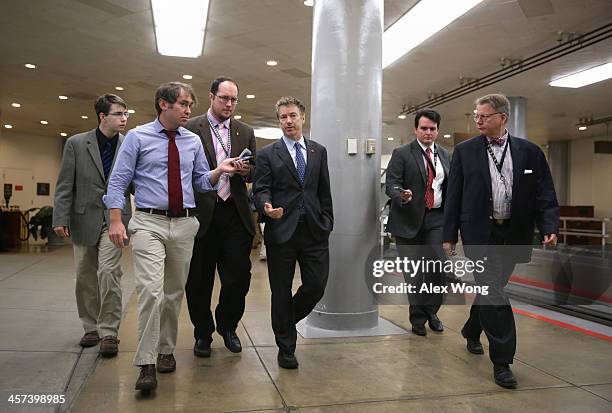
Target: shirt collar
{"type": "Point", "coordinates": [433, 146]}
{"type": "Point", "coordinates": [159, 128]}
{"type": "Point", "coordinates": [215, 121]}
{"type": "Point", "coordinates": [500, 140]}
{"type": "Point", "coordinates": [102, 138]}
{"type": "Point", "coordinates": [291, 143]}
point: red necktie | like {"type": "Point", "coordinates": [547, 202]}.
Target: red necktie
{"type": "Point", "coordinates": [175, 189]}
{"type": "Point", "coordinates": [429, 193]}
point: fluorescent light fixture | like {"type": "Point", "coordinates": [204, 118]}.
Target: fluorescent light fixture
{"type": "Point", "coordinates": [586, 77]}
{"type": "Point", "coordinates": [424, 20]}
{"type": "Point", "coordinates": [250, 96]}
{"type": "Point", "coordinates": [84, 117]}
{"type": "Point", "coordinates": [30, 66]}
{"type": "Point", "coordinates": [62, 97]}
{"type": "Point", "coordinates": [8, 126]}
{"type": "Point", "coordinates": [118, 87]}
{"type": "Point", "coordinates": [582, 127]}
{"type": "Point", "coordinates": [187, 77]}
{"type": "Point", "coordinates": [16, 105]}
{"type": "Point", "coordinates": [309, 3]}
{"type": "Point", "coordinates": [268, 133]}
{"type": "Point", "coordinates": [401, 116]}
{"type": "Point", "coordinates": [44, 122]}
{"type": "Point", "coordinates": [130, 111]}
{"type": "Point", "coordinates": [271, 62]}
{"type": "Point", "coordinates": [447, 136]}
{"type": "Point", "coordinates": [64, 134]}
{"type": "Point", "coordinates": [180, 26]}
{"type": "Point", "coordinates": [237, 117]}
{"type": "Point", "coordinates": [390, 138]}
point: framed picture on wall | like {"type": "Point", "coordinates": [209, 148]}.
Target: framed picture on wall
{"type": "Point", "coordinates": [42, 188]}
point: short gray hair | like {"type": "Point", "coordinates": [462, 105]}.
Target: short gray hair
{"type": "Point", "coordinates": [498, 102]}
{"type": "Point", "coordinates": [288, 101]}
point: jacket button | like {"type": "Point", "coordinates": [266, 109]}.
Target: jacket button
{"type": "Point", "coordinates": [490, 216]}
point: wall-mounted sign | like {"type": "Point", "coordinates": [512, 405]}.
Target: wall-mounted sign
{"type": "Point", "coordinates": [42, 188]}
{"type": "Point", "coordinates": [18, 187]}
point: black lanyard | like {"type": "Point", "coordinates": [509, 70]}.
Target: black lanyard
{"type": "Point", "coordinates": [218, 135]}
{"type": "Point", "coordinates": [499, 164]}
{"type": "Point", "coordinates": [428, 159]}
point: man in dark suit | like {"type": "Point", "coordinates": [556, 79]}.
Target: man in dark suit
{"type": "Point", "coordinates": [416, 183]}
{"type": "Point", "coordinates": [80, 213]}
{"type": "Point", "coordinates": [224, 239]}
{"type": "Point", "coordinates": [500, 187]}
{"type": "Point", "coordinates": [292, 193]}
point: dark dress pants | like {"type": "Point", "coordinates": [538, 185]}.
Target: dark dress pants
{"type": "Point", "coordinates": [313, 258]}
{"type": "Point", "coordinates": [492, 313]}
{"type": "Point", "coordinates": [226, 246]}
{"type": "Point", "coordinates": [427, 245]}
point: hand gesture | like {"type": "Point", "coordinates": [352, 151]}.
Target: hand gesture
{"type": "Point", "coordinates": [274, 213]}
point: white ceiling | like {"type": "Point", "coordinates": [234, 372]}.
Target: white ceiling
{"type": "Point", "coordinates": [83, 48]}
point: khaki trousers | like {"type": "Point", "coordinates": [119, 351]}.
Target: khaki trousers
{"type": "Point", "coordinates": [161, 250]}
{"type": "Point", "coordinates": [98, 286]}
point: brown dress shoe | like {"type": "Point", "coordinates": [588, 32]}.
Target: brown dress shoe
{"type": "Point", "coordinates": [166, 363]}
{"type": "Point", "coordinates": [109, 346]}
{"type": "Point", "coordinates": [147, 379]}
{"type": "Point", "coordinates": [89, 339]}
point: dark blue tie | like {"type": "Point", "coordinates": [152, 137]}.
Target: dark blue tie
{"type": "Point", "coordinates": [300, 163]}
{"type": "Point", "coordinates": [107, 158]}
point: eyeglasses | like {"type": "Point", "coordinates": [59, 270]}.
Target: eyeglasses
{"type": "Point", "coordinates": [120, 114]}
{"type": "Point", "coordinates": [486, 116]}
{"type": "Point", "coordinates": [226, 99]}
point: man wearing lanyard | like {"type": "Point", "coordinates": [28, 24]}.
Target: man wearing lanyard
{"type": "Point", "coordinates": [293, 195]}
{"type": "Point", "coordinates": [416, 183]}
{"type": "Point", "coordinates": [225, 237]}
{"type": "Point", "coordinates": [499, 188]}
{"type": "Point", "coordinates": [165, 162]}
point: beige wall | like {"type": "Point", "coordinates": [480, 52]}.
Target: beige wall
{"type": "Point", "coordinates": [590, 177]}
{"type": "Point", "coordinates": [26, 160]}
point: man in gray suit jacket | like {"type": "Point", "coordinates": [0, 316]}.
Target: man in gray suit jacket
{"type": "Point", "coordinates": [416, 183]}
{"type": "Point", "coordinates": [80, 213]}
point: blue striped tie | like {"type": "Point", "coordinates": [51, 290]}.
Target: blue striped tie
{"type": "Point", "coordinates": [107, 158]}
{"type": "Point", "coordinates": [300, 162]}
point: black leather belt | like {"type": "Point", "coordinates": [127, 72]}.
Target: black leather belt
{"type": "Point", "coordinates": [501, 222]}
{"type": "Point", "coordinates": [187, 212]}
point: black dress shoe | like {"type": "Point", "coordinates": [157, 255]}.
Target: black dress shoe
{"type": "Point", "coordinates": [147, 379]}
{"type": "Point", "coordinates": [231, 341]}
{"type": "Point", "coordinates": [287, 361]}
{"type": "Point", "coordinates": [419, 330]}
{"type": "Point", "coordinates": [473, 346]}
{"type": "Point", "coordinates": [201, 348]}
{"type": "Point", "coordinates": [435, 324]}
{"type": "Point", "coordinates": [503, 376]}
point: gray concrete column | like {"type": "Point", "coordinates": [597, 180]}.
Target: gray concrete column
{"type": "Point", "coordinates": [517, 124]}
{"type": "Point", "coordinates": [346, 103]}
{"type": "Point", "coordinates": [558, 159]}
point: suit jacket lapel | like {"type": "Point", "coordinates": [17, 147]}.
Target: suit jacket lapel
{"type": "Point", "coordinates": [445, 163]}
{"type": "Point", "coordinates": [94, 151]}
{"type": "Point", "coordinates": [207, 138]}
{"type": "Point", "coordinates": [415, 148]}
{"type": "Point", "coordinates": [517, 163]}
{"type": "Point", "coordinates": [235, 134]}
{"type": "Point", "coordinates": [482, 157]}
{"type": "Point", "coordinates": [311, 159]}
{"type": "Point", "coordinates": [283, 153]}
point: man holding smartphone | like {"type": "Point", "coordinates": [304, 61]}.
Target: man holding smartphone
{"type": "Point", "coordinates": [416, 183]}
{"type": "Point", "coordinates": [225, 237]}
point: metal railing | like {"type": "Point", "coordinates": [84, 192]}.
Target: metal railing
{"type": "Point", "coordinates": [585, 232]}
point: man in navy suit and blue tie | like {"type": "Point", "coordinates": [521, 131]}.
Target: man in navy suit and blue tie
{"type": "Point", "coordinates": [499, 188]}
{"type": "Point", "coordinates": [292, 193]}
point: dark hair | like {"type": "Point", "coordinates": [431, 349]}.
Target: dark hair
{"type": "Point", "coordinates": [290, 100]}
{"type": "Point", "coordinates": [171, 91]}
{"type": "Point", "coordinates": [103, 104]}
{"type": "Point", "coordinates": [430, 114]}
{"type": "Point", "coordinates": [214, 86]}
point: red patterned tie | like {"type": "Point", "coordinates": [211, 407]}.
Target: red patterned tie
{"type": "Point", "coordinates": [429, 193]}
{"type": "Point", "coordinates": [175, 189]}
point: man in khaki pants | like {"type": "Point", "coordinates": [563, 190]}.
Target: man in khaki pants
{"type": "Point", "coordinates": [165, 162]}
{"type": "Point", "coordinates": [80, 213]}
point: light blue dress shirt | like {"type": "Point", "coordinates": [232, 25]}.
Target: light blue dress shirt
{"type": "Point", "coordinates": [143, 159]}
{"type": "Point", "coordinates": [291, 147]}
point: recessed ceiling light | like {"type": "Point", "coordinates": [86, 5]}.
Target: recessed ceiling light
{"type": "Point", "coordinates": [447, 136]}
{"type": "Point", "coordinates": [586, 77]}
{"type": "Point", "coordinates": [187, 77]}
{"type": "Point", "coordinates": [44, 122]}
{"type": "Point", "coordinates": [63, 134]}
{"type": "Point", "coordinates": [84, 117]}
{"type": "Point", "coordinates": [8, 126]}
{"type": "Point", "coordinates": [582, 128]}
{"type": "Point", "coordinates": [62, 97]}
{"type": "Point", "coordinates": [401, 117]}
{"type": "Point", "coordinates": [16, 105]}
{"type": "Point", "coordinates": [118, 87]}
{"type": "Point", "coordinates": [131, 111]}
{"type": "Point", "coordinates": [250, 96]}
{"type": "Point", "coordinates": [416, 26]}
{"type": "Point", "coordinates": [309, 3]}
{"type": "Point", "coordinates": [390, 138]}
{"type": "Point", "coordinates": [30, 66]}
{"type": "Point", "coordinates": [192, 15]}
{"type": "Point", "coordinates": [237, 117]}
{"type": "Point", "coordinates": [271, 62]}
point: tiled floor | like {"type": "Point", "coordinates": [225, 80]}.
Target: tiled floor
{"type": "Point", "coordinates": [558, 369]}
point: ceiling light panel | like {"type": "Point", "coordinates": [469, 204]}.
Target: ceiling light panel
{"type": "Point", "coordinates": [180, 26]}
{"type": "Point", "coordinates": [586, 77]}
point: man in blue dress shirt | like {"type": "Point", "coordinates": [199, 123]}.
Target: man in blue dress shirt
{"type": "Point", "coordinates": [165, 162]}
